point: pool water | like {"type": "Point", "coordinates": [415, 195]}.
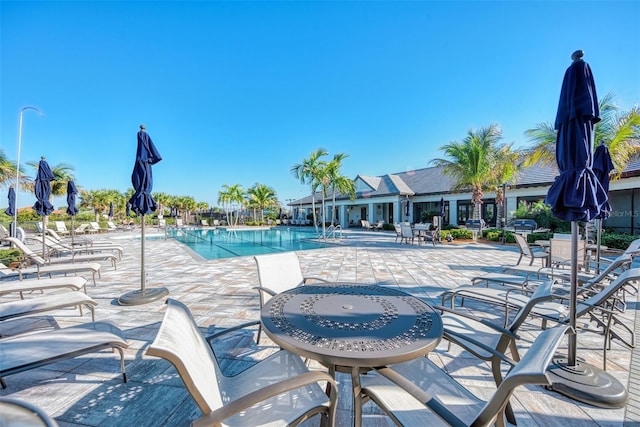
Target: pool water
{"type": "Point", "coordinates": [223, 243]}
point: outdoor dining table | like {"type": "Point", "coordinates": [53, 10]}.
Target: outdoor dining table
{"type": "Point", "coordinates": [352, 328]}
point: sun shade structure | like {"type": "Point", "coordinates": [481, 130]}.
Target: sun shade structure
{"type": "Point", "coordinates": [43, 191]}
{"type": "Point", "coordinates": [602, 167]}
{"type": "Point", "coordinates": [72, 209]}
{"type": "Point", "coordinates": [142, 203]}
{"type": "Point", "coordinates": [577, 195]}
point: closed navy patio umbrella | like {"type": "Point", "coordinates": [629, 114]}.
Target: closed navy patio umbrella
{"type": "Point", "coordinates": [602, 167]}
{"type": "Point", "coordinates": [576, 195]}
{"type": "Point", "coordinates": [11, 209]}
{"type": "Point", "coordinates": [406, 208]}
{"type": "Point", "coordinates": [43, 206]}
{"type": "Point", "coordinates": [72, 209]}
{"type": "Point", "coordinates": [110, 210]}
{"type": "Point", "coordinates": [142, 203]}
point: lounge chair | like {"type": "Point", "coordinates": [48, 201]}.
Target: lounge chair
{"type": "Point", "coordinates": [85, 244]}
{"type": "Point", "coordinates": [204, 223]}
{"type": "Point", "coordinates": [112, 227]}
{"type": "Point", "coordinates": [94, 227]}
{"type": "Point", "coordinates": [278, 273]}
{"type": "Point", "coordinates": [42, 268]}
{"type": "Point", "coordinates": [58, 253]}
{"type": "Point", "coordinates": [278, 390]}
{"type": "Point", "coordinates": [179, 223]}
{"type": "Point", "coordinates": [47, 302]}
{"type": "Point", "coordinates": [82, 229]}
{"type": "Point", "coordinates": [61, 228]}
{"type": "Point", "coordinates": [366, 225]}
{"type": "Point", "coordinates": [527, 252]}
{"type": "Point", "coordinates": [599, 304]}
{"type": "Point", "coordinates": [30, 351]}
{"type": "Point", "coordinates": [29, 285]}
{"type": "Point", "coordinates": [418, 393]}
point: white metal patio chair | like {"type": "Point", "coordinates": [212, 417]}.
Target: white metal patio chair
{"type": "Point", "coordinates": [278, 273]}
{"type": "Point", "coordinates": [278, 390]}
{"type": "Point", "coordinates": [418, 393]}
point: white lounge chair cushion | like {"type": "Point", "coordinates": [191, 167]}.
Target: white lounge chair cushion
{"type": "Point", "coordinates": [47, 302]}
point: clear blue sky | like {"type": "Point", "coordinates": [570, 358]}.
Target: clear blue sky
{"type": "Point", "coordinates": [238, 92]}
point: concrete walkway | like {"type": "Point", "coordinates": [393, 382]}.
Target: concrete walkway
{"type": "Point", "coordinates": [88, 391]}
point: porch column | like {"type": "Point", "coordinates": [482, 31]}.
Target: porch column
{"type": "Point", "coordinates": [453, 212]}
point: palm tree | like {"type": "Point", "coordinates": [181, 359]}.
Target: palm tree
{"type": "Point", "coordinates": [162, 199]}
{"type": "Point", "coordinates": [263, 196]}
{"type": "Point", "coordinates": [231, 197]}
{"type": "Point", "coordinates": [339, 183]}
{"type": "Point", "coordinates": [98, 200]}
{"type": "Point", "coordinates": [478, 162]}
{"type": "Point", "coordinates": [311, 172]}
{"type": "Point", "coordinates": [619, 131]}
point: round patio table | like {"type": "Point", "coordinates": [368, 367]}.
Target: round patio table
{"type": "Point", "coordinates": [352, 327]}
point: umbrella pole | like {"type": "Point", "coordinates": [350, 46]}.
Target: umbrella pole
{"type": "Point", "coordinates": [598, 242]}
{"type": "Point", "coordinates": [576, 379]}
{"type": "Point", "coordinates": [44, 233]}
{"type": "Point", "coordinates": [144, 295]}
{"type": "Point", "coordinates": [573, 286]}
{"type": "Point", "coordinates": [142, 274]}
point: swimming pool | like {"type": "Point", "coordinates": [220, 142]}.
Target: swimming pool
{"type": "Point", "coordinates": [227, 243]}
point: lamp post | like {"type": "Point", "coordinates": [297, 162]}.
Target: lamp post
{"type": "Point", "coordinates": [15, 214]}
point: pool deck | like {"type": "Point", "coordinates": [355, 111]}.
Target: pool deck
{"type": "Point", "coordinates": [88, 390]}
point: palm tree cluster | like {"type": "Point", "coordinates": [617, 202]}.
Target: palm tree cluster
{"type": "Point", "coordinates": [326, 176]}
{"type": "Point", "coordinates": [258, 198]}
{"type": "Point", "coordinates": [481, 162]}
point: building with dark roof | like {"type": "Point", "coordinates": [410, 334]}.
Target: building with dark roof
{"type": "Point", "coordinates": [386, 197]}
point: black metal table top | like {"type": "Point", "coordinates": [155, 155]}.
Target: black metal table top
{"type": "Point", "coordinates": [351, 324]}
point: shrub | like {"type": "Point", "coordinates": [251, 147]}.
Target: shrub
{"type": "Point", "coordinates": [617, 241]}
{"type": "Point", "coordinates": [9, 255]}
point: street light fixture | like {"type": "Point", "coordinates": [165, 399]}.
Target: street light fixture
{"type": "Point", "coordinates": [15, 214]}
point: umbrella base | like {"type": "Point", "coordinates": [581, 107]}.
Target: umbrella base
{"type": "Point", "coordinates": [586, 383]}
{"type": "Point", "coordinates": [143, 297]}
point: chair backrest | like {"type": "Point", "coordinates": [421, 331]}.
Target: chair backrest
{"type": "Point", "coordinates": [215, 222]}
{"type": "Point", "coordinates": [81, 228]}
{"type": "Point", "coordinates": [397, 228]}
{"type": "Point", "coordinates": [279, 272]}
{"type": "Point", "coordinates": [522, 244]}
{"type": "Point", "coordinates": [180, 342]}
{"type": "Point", "coordinates": [601, 298]}
{"type": "Point", "coordinates": [407, 231]}
{"type": "Point", "coordinates": [179, 222]}
{"type": "Point", "coordinates": [561, 253]}
{"type": "Point", "coordinates": [204, 222]}
{"type": "Point", "coordinates": [94, 225]}
{"type": "Point", "coordinates": [530, 370]}
{"type": "Point", "coordinates": [61, 226]}
{"type": "Point", "coordinates": [112, 225]}
{"type": "Point", "coordinates": [54, 235]}
{"type": "Point", "coordinates": [26, 250]}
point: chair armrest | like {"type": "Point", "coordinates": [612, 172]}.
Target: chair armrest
{"type": "Point", "coordinates": [319, 279]}
{"type": "Point", "coordinates": [265, 290]}
{"type": "Point", "coordinates": [211, 337]}
{"type": "Point", "coordinates": [421, 395]}
{"type": "Point", "coordinates": [260, 395]}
